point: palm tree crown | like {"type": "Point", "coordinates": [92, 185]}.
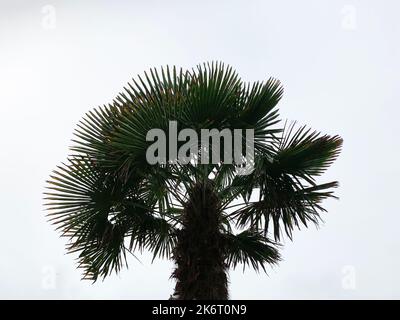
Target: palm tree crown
{"type": "Point", "coordinates": [108, 200]}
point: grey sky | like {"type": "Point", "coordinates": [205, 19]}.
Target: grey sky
{"type": "Point", "coordinates": [339, 64]}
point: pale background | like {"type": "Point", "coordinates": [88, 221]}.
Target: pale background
{"type": "Point", "coordinates": [339, 63]}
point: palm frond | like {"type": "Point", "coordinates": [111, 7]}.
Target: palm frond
{"type": "Point", "coordinates": [250, 248]}
{"type": "Point", "coordinates": [96, 211]}
{"type": "Point", "coordinates": [152, 233]}
{"type": "Point", "coordinates": [288, 193]}
{"type": "Point", "coordinates": [305, 153]}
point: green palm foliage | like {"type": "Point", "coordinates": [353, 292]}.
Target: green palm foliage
{"type": "Point", "coordinates": [108, 201]}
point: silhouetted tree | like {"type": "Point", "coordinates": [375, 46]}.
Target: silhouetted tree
{"type": "Point", "coordinates": [108, 200]}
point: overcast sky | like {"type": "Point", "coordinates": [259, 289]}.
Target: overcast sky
{"type": "Point", "coordinates": [339, 64]}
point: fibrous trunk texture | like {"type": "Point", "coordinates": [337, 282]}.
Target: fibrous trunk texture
{"type": "Point", "coordinates": [199, 256]}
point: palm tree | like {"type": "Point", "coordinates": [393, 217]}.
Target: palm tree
{"type": "Point", "coordinates": [109, 201]}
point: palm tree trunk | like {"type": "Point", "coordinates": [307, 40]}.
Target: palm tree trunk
{"type": "Point", "coordinates": [199, 256]}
